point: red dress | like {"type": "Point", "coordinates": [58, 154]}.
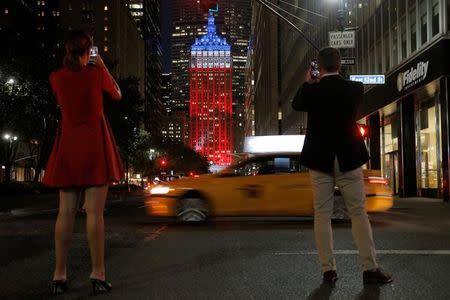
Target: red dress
{"type": "Point", "coordinates": [85, 152]}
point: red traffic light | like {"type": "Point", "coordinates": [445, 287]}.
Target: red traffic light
{"type": "Point", "coordinates": [163, 162]}
{"type": "Point", "coordinates": [364, 130]}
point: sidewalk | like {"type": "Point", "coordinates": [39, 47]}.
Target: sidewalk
{"type": "Point", "coordinates": [27, 205]}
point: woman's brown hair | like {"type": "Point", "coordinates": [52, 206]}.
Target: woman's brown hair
{"type": "Point", "coordinates": [78, 44]}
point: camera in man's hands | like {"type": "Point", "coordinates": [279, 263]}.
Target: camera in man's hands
{"type": "Point", "coordinates": [314, 69]}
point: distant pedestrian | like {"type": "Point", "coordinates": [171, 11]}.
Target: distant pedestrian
{"type": "Point", "coordinates": [84, 159]}
{"type": "Point", "coordinates": [334, 152]}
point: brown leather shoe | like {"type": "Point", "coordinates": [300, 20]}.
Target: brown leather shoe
{"type": "Point", "coordinates": [330, 276]}
{"type": "Point", "coordinates": [376, 276]}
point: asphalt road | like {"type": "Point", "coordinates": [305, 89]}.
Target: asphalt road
{"type": "Point", "coordinates": [245, 258]}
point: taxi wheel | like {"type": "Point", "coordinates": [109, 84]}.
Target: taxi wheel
{"type": "Point", "coordinates": [340, 211]}
{"type": "Point", "coordinates": [192, 209]}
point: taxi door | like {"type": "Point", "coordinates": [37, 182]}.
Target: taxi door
{"type": "Point", "coordinates": [242, 191]}
{"type": "Point", "coordinates": [289, 190]}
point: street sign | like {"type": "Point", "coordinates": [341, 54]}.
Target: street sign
{"type": "Point", "coordinates": [342, 39]}
{"type": "Point", "coordinates": [368, 79]}
{"type": "Point", "coordinates": [348, 61]}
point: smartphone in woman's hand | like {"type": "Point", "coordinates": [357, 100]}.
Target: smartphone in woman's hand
{"type": "Point", "coordinates": [93, 54]}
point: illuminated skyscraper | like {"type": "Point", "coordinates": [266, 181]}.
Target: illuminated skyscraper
{"type": "Point", "coordinates": [189, 19]}
{"type": "Point", "coordinates": [210, 104]}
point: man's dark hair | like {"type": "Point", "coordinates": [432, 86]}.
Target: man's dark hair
{"type": "Point", "coordinates": [330, 59]}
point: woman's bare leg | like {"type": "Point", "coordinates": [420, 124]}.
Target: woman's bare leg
{"type": "Point", "coordinates": [68, 204]}
{"type": "Point", "coordinates": [95, 199]}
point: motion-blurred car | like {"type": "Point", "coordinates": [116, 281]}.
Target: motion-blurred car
{"type": "Point", "coordinates": [264, 185]}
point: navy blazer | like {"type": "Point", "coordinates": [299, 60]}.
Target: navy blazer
{"type": "Point", "coordinates": [332, 106]}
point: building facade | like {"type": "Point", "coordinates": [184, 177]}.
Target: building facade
{"type": "Point", "coordinates": [189, 19]}
{"type": "Point", "coordinates": [408, 41]}
{"type": "Point", "coordinates": [210, 104]}
{"type": "Point", "coordinates": [153, 106]}
{"type": "Point", "coordinates": [40, 34]}
{"type": "Point", "coordinates": [113, 30]}
{"type": "Point", "coordinates": [407, 117]}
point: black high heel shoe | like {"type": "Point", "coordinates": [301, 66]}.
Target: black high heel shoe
{"type": "Point", "coordinates": [59, 287]}
{"type": "Point", "coordinates": [100, 286]}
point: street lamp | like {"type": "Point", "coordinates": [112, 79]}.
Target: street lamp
{"type": "Point", "coordinates": [10, 137]}
{"type": "Point", "coordinates": [11, 81]}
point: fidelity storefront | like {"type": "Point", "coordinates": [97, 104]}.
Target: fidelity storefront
{"type": "Point", "coordinates": [408, 119]}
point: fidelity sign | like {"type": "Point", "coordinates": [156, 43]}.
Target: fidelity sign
{"type": "Point", "coordinates": [413, 76]}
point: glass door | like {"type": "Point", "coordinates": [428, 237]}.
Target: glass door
{"type": "Point", "coordinates": [428, 147]}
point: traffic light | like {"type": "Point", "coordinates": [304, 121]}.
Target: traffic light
{"type": "Point", "coordinates": [163, 162]}
{"type": "Point", "coordinates": [364, 130]}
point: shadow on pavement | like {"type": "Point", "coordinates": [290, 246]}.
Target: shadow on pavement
{"type": "Point", "coordinates": [323, 292]}
{"type": "Point", "coordinates": [369, 292]}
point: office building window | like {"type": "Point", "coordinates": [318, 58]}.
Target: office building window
{"type": "Point", "coordinates": [387, 54]}
{"type": "Point", "coordinates": [394, 46]}
{"type": "Point", "coordinates": [423, 21]}
{"type": "Point", "coordinates": [6, 11]}
{"type": "Point", "coordinates": [403, 37]}
{"type": "Point", "coordinates": [413, 29]}
{"type": "Point", "coordinates": [435, 16]}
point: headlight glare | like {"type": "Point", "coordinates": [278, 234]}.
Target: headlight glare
{"type": "Point", "coordinates": [160, 190]}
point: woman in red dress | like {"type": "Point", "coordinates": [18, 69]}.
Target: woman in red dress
{"type": "Point", "coordinates": [84, 159]}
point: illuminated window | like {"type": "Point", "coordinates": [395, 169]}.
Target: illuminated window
{"type": "Point", "coordinates": [105, 39]}
{"type": "Point", "coordinates": [6, 11]}
{"type": "Point", "coordinates": [106, 7]}
{"type": "Point", "coordinates": [105, 48]}
{"type": "Point", "coordinates": [106, 28]}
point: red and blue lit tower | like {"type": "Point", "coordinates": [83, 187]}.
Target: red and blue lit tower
{"type": "Point", "coordinates": [210, 105]}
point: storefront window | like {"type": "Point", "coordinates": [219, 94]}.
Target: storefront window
{"type": "Point", "coordinates": [428, 146]}
{"type": "Point", "coordinates": [389, 138]}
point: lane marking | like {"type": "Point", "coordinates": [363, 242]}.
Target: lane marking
{"type": "Point", "coordinates": [382, 252]}
{"type": "Point", "coordinates": [155, 234]}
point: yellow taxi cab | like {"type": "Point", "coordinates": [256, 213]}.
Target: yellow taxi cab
{"type": "Point", "coordinates": [272, 184]}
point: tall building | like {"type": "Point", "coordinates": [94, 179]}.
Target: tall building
{"type": "Point", "coordinates": [189, 19]}
{"type": "Point", "coordinates": [40, 33]}
{"type": "Point", "coordinates": [153, 106]}
{"type": "Point", "coordinates": [114, 32]}
{"type": "Point", "coordinates": [175, 124]}
{"type": "Point", "coordinates": [136, 8]}
{"type": "Point", "coordinates": [407, 41]}
{"type": "Point", "coordinates": [236, 22]}
{"type": "Point", "coordinates": [210, 104]}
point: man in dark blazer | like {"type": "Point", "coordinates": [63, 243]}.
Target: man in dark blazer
{"type": "Point", "coordinates": [334, 151]}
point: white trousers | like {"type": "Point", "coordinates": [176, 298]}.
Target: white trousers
{"type": "Point", "coordinates": [351, 185]}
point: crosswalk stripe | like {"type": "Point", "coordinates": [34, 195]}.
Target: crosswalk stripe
{"type": "Point", "coordinates": [381, 252]}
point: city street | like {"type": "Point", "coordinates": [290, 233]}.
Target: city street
{"type": "Point", "coordinates": [229, 258]}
